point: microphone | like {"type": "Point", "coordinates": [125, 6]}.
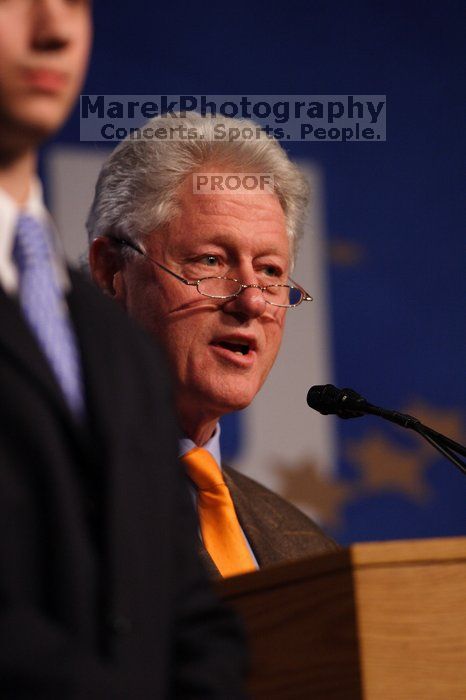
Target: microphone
{"type": "Point", "coordinates": [347, 403]}
{"type": "Point", "coordinates": [329, 400]}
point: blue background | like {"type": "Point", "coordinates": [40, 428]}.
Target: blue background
{"type": "Point", "coordinates": [398, 315]}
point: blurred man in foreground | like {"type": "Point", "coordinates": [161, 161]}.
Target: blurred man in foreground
{"type": "Point", "coordinates": [206, 272]}
{"type": "Point", "coordinates": [101, 592]}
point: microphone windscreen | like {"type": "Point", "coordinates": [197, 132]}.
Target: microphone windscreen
{"type": "Point", "coordinates": [329, 400]}
{"type": "Point", "coordinates": [323, 398]}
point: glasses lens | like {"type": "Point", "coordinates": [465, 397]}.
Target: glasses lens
{"type": "Point", "coordinates": [295, 296]}
{"type": "Point", "coordinates": [218, 287]}
{"type": "Point", "coordinates": [223, 288]}
{"type": "Point", "coordinates": [283, 295]}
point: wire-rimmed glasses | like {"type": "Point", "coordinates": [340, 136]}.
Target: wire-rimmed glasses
{"type": "Point", "coordinates": [286, 296]}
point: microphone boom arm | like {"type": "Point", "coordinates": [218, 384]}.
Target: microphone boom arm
{"type": "Point", "coordinates": [347, 403]}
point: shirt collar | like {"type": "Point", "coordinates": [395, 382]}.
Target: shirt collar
{"type": "Point", "coordinates": [34, 206]}
{"type": "Point", "coordinates": [9, 212]}
{"type": "Point", "coordinates": [212, 445]}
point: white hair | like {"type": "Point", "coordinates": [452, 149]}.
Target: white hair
{"type": "Point", "coordinates": [137, 189]}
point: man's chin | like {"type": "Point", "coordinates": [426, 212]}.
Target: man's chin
{"type": "Point", "coordinates": [233, 401]}
{"type": "Point", "coordinates": [215, 404]}
{"type": "Point", "coordinates": [30, 127]}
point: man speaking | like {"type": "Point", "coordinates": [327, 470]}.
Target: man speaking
{"type": "Point", "coordinates": [201, 257]}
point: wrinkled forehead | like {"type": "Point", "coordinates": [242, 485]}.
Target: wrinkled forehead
{"type": "Point", "coordinates": [250, 220]}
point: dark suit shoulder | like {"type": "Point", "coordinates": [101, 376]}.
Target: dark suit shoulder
{"type": "Point", "coordinates": [86, 296]}
{"type": "Point", "coordinates": [103, 327]}
{"type": "Point", "coordinates": [278, 531]}
{"type": "Point", "coordinates": [126, 377]}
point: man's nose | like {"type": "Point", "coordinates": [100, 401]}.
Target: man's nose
{"type": "Point", "coordinates": [52, 27]}
{"type": "Point", "coordinates": [249, 303]}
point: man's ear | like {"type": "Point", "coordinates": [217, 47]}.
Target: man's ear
{"type": "Point", "coordinates": [107, 264]}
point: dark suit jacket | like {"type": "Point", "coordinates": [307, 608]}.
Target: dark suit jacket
{"type": "Point", "coordinates": [101, 592]}
{"type": "Point", "coordinates": [276, 530]}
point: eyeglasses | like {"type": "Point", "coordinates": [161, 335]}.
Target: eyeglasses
{"type": "Point", "coordinates": [287, 296]}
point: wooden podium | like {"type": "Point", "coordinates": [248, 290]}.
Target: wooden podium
{"type": "Point", "coordinates": [377, 621]}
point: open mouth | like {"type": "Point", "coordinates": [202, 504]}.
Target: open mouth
{"type": "Point", "coordinates": [237, 348]}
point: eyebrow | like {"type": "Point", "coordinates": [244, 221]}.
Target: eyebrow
{"type": "Point", "coordinates": [222, 239]}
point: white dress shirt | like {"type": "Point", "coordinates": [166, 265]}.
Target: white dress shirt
{"type": "Point", "coordinates": [213, 446]}
{"type": "Point", "coordinates": [9, 213]}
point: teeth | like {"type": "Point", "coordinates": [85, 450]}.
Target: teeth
{"type": "Point", "coordinates": [235, 348]}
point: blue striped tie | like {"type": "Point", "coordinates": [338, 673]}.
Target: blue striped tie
{"type": "Point", "coordinates": [45, 309]}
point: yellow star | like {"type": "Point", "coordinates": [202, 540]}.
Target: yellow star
{"type": "Point", "coordinates": [304, 484]}
{"type": "Point", "coordinates": [447, 421]}
{"type": "Point", "coordinates": [386, 466]}
{"type": "Point", "coordinates": [346, 253]}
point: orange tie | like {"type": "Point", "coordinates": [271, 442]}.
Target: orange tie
{"type": "Point", "coordinates": [220, 528]}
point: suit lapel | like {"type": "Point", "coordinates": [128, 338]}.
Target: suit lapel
{"type": "Point", "coordinates": [261, 531]}
{"type": "Point", "coordinates": [18, 341]}
{"type": "Point", "coordinates": [208, 562]}
{"type": "Point", "coordinates": [256, 530]}
{"type": "Point", "coordinates": [93, 349]}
